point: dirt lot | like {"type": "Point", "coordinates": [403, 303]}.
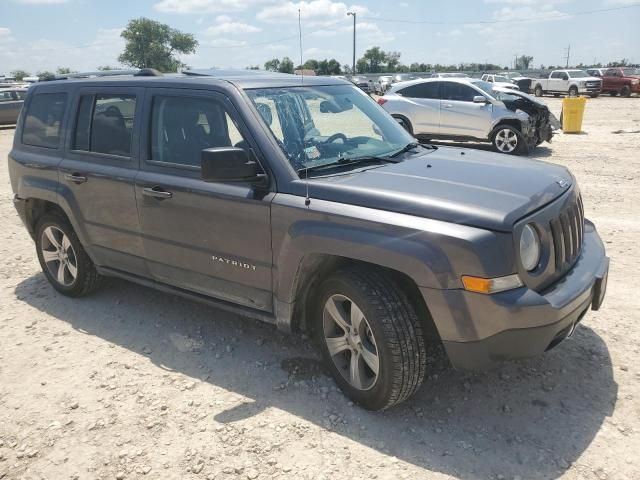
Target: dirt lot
{"type": "Point", "coordinates": [132, 383]}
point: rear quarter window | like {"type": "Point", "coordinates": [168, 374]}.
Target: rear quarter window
{"type": "Point", "coordinates": [43, 120]}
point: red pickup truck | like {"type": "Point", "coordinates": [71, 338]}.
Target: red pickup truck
{"type": "Point", "coordinates": [618, 80]}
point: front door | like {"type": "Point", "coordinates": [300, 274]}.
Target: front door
{"type": "Point", "coordinates": [459, 115]}
{"type": "Point", "coordinates": [210, 238]}
{"type": "Point", "coordinates": [98, 171]}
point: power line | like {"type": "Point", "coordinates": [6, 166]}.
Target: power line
{"type": "Point", "coordinates": [515, 20]}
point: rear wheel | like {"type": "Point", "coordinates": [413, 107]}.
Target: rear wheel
{"type": "Point", "coordinates": [573, 91]}
{"type": "Point", "coordinates": [507, 139]}
{"type": "Point", "coordinates": [63, 259]}
{"type": "Point", "coordinates": [404, 123]}
{"type": "Point", "coordinates": [626, 91]}
{"type": "Point", "coordinates": [370, 337]}
{"type": "Point", "coordinates": [538, 91]}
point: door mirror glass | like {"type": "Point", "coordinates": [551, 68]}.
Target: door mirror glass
{"type": "Point", "coordinates": [479, 99]}
{"type": "Point", "coordinates": [228, 164]}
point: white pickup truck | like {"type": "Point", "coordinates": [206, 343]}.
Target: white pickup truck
{"type": "Point", "coordinates": [568, 82]}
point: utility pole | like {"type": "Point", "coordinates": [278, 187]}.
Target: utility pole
{"type": "Point", "coordinates": [567, 56]}
{"type": "Point", "coordinates": [353, 72]}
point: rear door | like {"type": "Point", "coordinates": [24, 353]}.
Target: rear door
{"type": "Point", "coordinates": [459, 115]}
{"type": "Point", "coordinates": [210, 238]}
{"type": "Point", "coordinates": [422, 103]}
{"type": "Point", "coordinates": [98, 171]}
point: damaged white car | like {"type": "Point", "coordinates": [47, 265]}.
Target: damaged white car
{"type": "Point", "coordinates": [470, 109]}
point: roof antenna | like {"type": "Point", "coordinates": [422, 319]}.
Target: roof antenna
{"type": "Point", "coordinates": [307, 200]}
{"type": "Point", "coordinates": [300, 34]}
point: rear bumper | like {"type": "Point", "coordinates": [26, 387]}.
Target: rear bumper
{"type": "Point", "coordinates": [479, 330]}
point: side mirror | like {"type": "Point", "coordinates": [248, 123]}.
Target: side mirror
{"type": "Point", "coordinates": [228, 164]}
{"type": "Point", "coordinates": [479, 99]}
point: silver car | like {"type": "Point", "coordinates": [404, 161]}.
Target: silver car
{"type": "Point", "coordinates": [470, 109]}
{"type": "Point", "coordinates": [11, 100]}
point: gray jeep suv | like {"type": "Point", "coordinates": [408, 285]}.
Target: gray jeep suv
{"type": "Point", "coordinates": [301, 202]}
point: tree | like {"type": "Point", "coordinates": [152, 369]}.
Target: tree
{"type": "Point", "coordinates": [333, 67]}
{"type": "Point", "coordinates": [104, 68]}
{"type": "Point", "coordinates": [45, 75]}
{"type": "Point", "coordinates": [253, 67]}
{"type": "Point", "coordinates": [19, 74]}
{"type": "Point", "coordinates": [622, 63]}
{"type": "Point", "coordinates": [286, 65]}
{"type": "Point", "coordinates": [392, 60]}
{"type": "Point", "coordinates": [63, 70]}
{"type": "Point", "coordinates": [151, 44]}
{"type": "Point", "coordinates": [372, 61]}
{"type": "Point", "coordinates": [272, 65]}
{"type": "Point", "coordinates": [523, 62]}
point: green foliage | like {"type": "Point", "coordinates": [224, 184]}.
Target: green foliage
{"type": "Point", "coordinates": [621, 63]}
{"type": "Point", "coordinates": [252, 67]}
{"type": "Point", "coordinates": [63, 70]}
{"type": "Point", "coordinates": [272, 65]}
{"type": "Point", "coordinates": [286, 65]}
{"type": "Point", "coordinates": [523, 62]}
{"type": "Point", "coordinates": [19, 74]}
{"type": "Point", "coordinates": [103, 68]}
{"type": "Point", "coordinates": [45, 75]}
{"type": "Point", "coordinates": [151, 44]}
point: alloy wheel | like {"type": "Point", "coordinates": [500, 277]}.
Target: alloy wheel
{"type": "Point", "coordinates": [59, 256]}
{"type": "Point", "coordinates": [350, 342]}
{"type": "Point", "coordinates": [506, 140]}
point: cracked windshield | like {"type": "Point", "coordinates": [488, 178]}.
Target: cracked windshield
{"type": "Point", "coordinates": [328, 125]}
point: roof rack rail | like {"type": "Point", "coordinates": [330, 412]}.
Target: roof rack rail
{"type": "Point", "coordinates": [143, 72]}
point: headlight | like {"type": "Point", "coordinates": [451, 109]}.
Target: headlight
{"type": "Point", "coordinates": [635, 81]}
{"type": "Point", "coordinates": [529, 247]}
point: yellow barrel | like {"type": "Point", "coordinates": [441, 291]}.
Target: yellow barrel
{"type": "Point", "coordinates": [572, 113]}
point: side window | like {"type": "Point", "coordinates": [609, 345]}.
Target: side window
{"type": "Point", "coordinates": [105, 124]}
{"type": "Point", "coordinates": [5, 97]}
{"type": "Point", "coordinates": [181, 127]}
{"type": "Point", "coordinates": [457, 92]}
{"type": "Point", "coordinates": [421, 90]}
{"type": "Point", "coordinates": [43, 120]}
{"type": "Point", "coordinates": [611, 73]}
{"type": "Point", "coordinates": [555, 75]}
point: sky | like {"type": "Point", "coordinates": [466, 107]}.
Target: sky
{"type": "Point", "coordinates": [38, 35]}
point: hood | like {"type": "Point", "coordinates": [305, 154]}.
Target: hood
{"type": "Point", "coordinates": [508, 86]}
{"type": "Point", "coordinates": [520, 93]}
{"type": "Point", "coordinates": [587, 79]}
{"type": "Point", "coordinates": [470, 187]}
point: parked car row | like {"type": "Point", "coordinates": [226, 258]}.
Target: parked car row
{"type": "Point", "coordinates": [570, 82]}
{"type": "Point", "coordinates": [621, 81]}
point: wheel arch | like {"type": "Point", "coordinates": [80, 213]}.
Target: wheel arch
{"type": "Point", "coordinates": [315, 268]}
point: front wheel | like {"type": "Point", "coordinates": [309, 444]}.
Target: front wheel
{"type": "Point", "coordinates": [626, 91]}
{"type": "Point", "coordinates": [370, 338]}
{"type": "Point", "coordinates": [507, 139]}
{"type": "Point", "coordinates": [63, 259]}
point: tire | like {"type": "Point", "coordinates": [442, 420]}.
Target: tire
{"type": "Point", "coordinates": [625, 92]}
{"type": "Point", "coordinates": [388, 331]}
{"type": "Point", "coordinates": [556, 95]}
{"type": "Point", "coordinates": [404, 123]}
{"type": "Point", "coordinates": [61, 255]}
{"type": "Point", "coordinates": [538, 91]}
{"type": "Point", "coordinates": [613, 94]}
{"type": "Point", "coordinates": [507, 139]}
{"type": "Point", "coordinates": [573, 91]}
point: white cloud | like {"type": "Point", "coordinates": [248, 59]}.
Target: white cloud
{"type": "Point", "coordinates": [225, 25]}
{"type": "Point", "coordinates": [204, 6]}
{"type": "Point", "coordinates": [224, 42]}
{"type": "Point", "coordinates": [313, 12]}
{"type": "Point", "coordinates": [5, 35]}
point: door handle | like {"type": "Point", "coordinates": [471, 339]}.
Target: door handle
{"type": "Point", "coordinates": [447, 105]}
{"type": "Point", "coordinates": [156, 192]}
{"type": "Point", "coordinates": [75, 177]}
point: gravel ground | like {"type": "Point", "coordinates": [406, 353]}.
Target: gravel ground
{"type": "Point", "coordinates": [132, 383]}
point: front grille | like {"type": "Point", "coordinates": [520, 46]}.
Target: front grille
{"type": "Point", "coordinates": [567, 232]}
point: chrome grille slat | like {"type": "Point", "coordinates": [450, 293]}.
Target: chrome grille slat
{"type": "Point", "coordinates": [567, 233]}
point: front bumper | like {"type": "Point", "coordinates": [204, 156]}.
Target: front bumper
{"type": "Point", "coordinates": [479, 330]}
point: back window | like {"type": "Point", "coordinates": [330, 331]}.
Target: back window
{"type": "Point", "coordinates": [421, 90]}
{"type": "Point", "coordinates": [105, 124]}
{"type": "Point", "coordinates": [43, 120]}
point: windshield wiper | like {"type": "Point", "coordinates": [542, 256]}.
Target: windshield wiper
{"type": "Point", "coordinates": [348, 161]}
{"type": "Point", "coordinates": [410, 146]}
